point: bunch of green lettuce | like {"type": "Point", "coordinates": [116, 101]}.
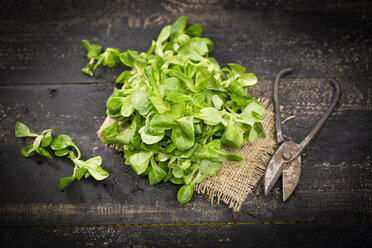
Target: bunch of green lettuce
{"type": "Point", "coordinates": [179, 107]}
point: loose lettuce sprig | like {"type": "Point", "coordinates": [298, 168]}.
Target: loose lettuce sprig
{"type": "Point", "coordinates": [91, 167]}
{"type": "Point", "coordinates": [109, 58]}
{"type": "Point", "coordinates": [41, 140]}
{"type": "Point", "coordinates": [181, 107]}
{"type": "Point", "coordinates": [62, 145]}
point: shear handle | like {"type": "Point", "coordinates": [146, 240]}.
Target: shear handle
{"type": "Point", "coordinates": [320, 123]}
{"type": "Point", "coordinates": [278, 125]}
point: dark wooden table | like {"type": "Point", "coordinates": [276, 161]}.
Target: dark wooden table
{"type": "Point", "coordinates": [41, 85]}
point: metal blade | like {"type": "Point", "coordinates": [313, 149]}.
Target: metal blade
{"type": "Point", "coordinates": [277, 163]}
{"type": "Point", "coordinates": [273, 170]}
{"type": "Point", "coordinates": [291, 175]}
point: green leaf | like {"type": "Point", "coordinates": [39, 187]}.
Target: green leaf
{"type": "Point", "coordinates": [183, 137]}
{"type": "Point", "coordinates": [195, 30]}
{"type": "Point", "coordinates": [206, 152]}
{"type": "Point", "coordinates": [123, 77]}
{"type": "Point", "coordinates": [210, 116]}
{"type": "Point", "coordinates": [136, 140]}
{"type": "Point", "coordinates": [152, 76]}
{"type": "Point", "coordinates": [109, 58]}
{"type": "Point", "coordinates": [217, 102]}
{"type": "Point", "coordinates": [202, 79]}
{"type": "Point", "coordinates": [254, 106]}
{"type": "Point", "coordinates": [248, 79]}
{"type": "Point", "coordinates": [64, 181]}
{"type": "Point", "coordinates": [178, 98]}
{"type": "Point", "coordinates": [172, 85]}
{"type": "Point", "coordinates": [126, 59]}
{"type": "Point", "coordinates": [241, 101]}
{"type": "Point", "coordinates": [137, 98]}
{"type": "Point", "coordinates": [176, 180]}
{"type": "Point", "coordinates": [164, 121]}
{"type": "Point", "coordinates": [47, 138]}
{"type": "Point", "coordinates": [114, 104]}
{"type": "Point", "coordinates": [187, 126]}
{"type": "Point", "coordinates": [87, 175]}
{"type": "Point", "coordinates": [93, 50]}
{"type": "Point", "coordinates": [225, 155]}
{"type": "Point", "coordinates": [140, 161]}
{"type": "Point", "coordinates": [44, 153]}
{"type": "Point", "coordinates": [195, 49]}
{"type": "Point", "coordinates": [236, 88]}
{"type": "Point", "coordinates": [21, 130]}
{"type": "Point", "coordinates": [189, 174]}
{"type": "Point", "coordinates": [148, 138]}
{"type": "Point", "coordinates": [253, 112]}
{"type": "Point", "coordinates": [260, 130]}
{"type": "Point", "coordinates": [197, 128]}
{"type": "Point", "coordinates": [62, 153]}
{"type": "Point", "coordinates": [127, 108]}
{"type": "Point", "coordinates": [185, 193]}
{"type": "Point", "coordinates": [176, 72]}
{"type": "Point", "coordinates": [61, 142]}
{"type": "Point", "coordinates": [125, 136]}
{"type": "Point", "coordinates": [178, 27]}
{"type": "Point", "coordinates": [28, 151]}
{"type": "Point", "coordinates": [210, 46]}
{"type": "Point", "coordinates": [232, 136]}
{"type": "Point", "coordinates": [164, 34]}
{"type": "Point", "coordinates": [188, 153]}
{"type": "Point", "coordinates": [110, 132]}
{"type": "Point", "coordinates": [253, 135]}
{"type": "Point", "coordinates": [210, 168]}
{"type": "Point", "coordinates": [159, 104]}
{"type": "Point", "coordinates": [79, 173]}
{"type": "Point", "coordinates": [95, 160]}
{"type": "Point", "coordinates": [94, 168]}
{"type": "Point", "coordinates": [88, 69]}
{"type": "Point", "coordinates": [145, 107]}
{"type": "Point", "coordinates": [237, 70]}
{"type": "Point", "coordinates": [177, 172]}
{"type": "Point", "coordinates": [180, 139]}
{"type": "Point", "coordinates": [163, 157]}
{"type": "Point", "coordinates": [156, 174]}
{"type": "Point", "coordinates": [37, 142]}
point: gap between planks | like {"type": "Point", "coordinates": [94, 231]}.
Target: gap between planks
{"type": "Point", "coordinates": [354, 221]}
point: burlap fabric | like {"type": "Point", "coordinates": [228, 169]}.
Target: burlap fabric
{"type": "Point", "coordinates": [235, 181]}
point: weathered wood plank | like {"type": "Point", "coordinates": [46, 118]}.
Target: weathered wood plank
{"type": "Point", "coordinates": [335, 182]}
{"type": "Point", "coordinates": [280, 235]}
{"type": "Point", "coordinates": [40, 43]}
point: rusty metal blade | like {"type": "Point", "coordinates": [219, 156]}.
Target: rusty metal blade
{"type": "Point", "coordinates": [277, 163]}
{"type": "Point", "coordinates": [291, 175]}
{"type": "Point", "coordinates": [273, 171]}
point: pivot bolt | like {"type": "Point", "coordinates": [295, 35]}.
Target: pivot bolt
{"type": "Point", "coordinates": [287, 155]}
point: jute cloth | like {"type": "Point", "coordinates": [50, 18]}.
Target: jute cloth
{"type": "Point", "coordinates": [235, 181]}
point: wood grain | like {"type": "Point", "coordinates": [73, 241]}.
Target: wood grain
{"type": "Point", "coordinates": [215, 235]}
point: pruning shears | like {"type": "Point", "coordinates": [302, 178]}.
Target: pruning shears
{"type": "Point", "coordinates": [287, 159]}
